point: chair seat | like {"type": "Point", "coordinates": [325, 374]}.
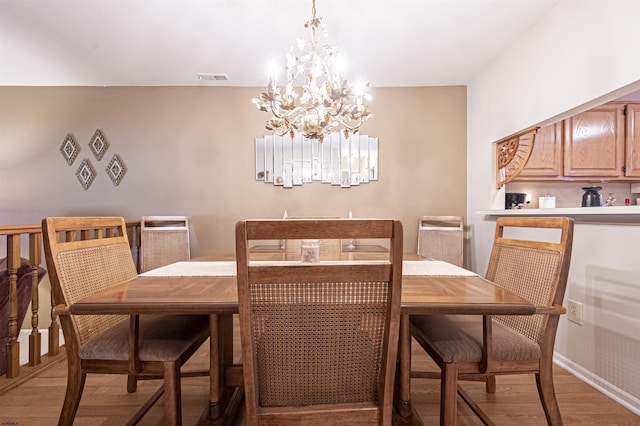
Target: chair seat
{"type": "Point", "coordinates": [458, 339]}
{"type": "Point", "coordinates": [162, 338]}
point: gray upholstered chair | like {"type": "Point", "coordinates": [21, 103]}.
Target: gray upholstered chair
{"type": "Point", "coordinates": [477, 348]}
{"type": "Point", "coordinates": [88, 255]}
{"type": "Point", "coordinates": [319, 340]}
{"type": "Point", "coordinates": [163, 240]}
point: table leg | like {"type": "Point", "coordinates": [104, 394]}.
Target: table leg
{"type": "Point", "coordinates": [224, 400]}
{"type": "Point", "coordinates": [403, 391]}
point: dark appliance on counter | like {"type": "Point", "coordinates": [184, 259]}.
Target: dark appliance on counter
{"type": "Point", "coordinates": [591, 196]}
{"type": "Point", "coordinates": [514, 200]}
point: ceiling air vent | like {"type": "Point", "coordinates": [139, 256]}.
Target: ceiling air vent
{"type": "Point", "coordinates": [213, 76]}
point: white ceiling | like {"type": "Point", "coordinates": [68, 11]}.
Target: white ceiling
{"type": "Point", "coordinates": [166, 42]}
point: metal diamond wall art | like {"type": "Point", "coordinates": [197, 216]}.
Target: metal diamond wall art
{"type": "Point", "coordinates": [86, 174]}
{"type": "Point", "coordinates": [69, 149]}
{"type": "Point", "coordinates": [98, 144]}
{"type": "Point", "coordinates": [116, 169]}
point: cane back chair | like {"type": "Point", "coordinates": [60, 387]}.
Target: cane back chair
{"type": "Point", "coordinates": [292, 247]}
{"type": "Point", "coordinates": [475, 348]}
{"type": "Point", "coordinates": [163, 240]}
{"type": "Point", "coordinates": [86, 255]}
{"type": "Point", "coordinates": [441, 238]}
{"type": "Point", "coordinates": [319, 340]}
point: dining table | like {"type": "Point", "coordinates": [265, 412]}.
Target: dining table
{"type": "Point", "coordinates": [207, 285]}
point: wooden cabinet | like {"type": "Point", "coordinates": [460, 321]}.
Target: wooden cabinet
{"type": "Point", "coordinates": [546, 159]}
{"type": "Point", "coordinates": [632, 163]}
{"type": "Point", "coordinates": [594, 143]}
{"type": "Point", "coordinates": [600, 144]}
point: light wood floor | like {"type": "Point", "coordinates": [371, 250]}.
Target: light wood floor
{"type": "Point", "coordinates": [105, 400]}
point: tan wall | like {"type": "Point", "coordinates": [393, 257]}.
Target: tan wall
{"type": "Point", "coordinates": [190, 150]}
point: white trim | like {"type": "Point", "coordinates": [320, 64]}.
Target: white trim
{"type": "Point", "coordinates": [620, 396]}
{"type": "Point", "coordinates": [23, 340]}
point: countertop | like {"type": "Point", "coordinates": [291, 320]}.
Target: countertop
{"type": "Point", "coordinates": [612, 214]}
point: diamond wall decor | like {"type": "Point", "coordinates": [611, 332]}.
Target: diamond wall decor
{"type": "Point", "coordinates": [86, 174]}
{"type": "Point", "coordinates": [98, 144]}
{"type": "Point", "coordinates": [69, 149]}
{"type": "Point", "coordinates": [116, 169]}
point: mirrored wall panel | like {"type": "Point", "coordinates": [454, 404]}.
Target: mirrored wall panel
{"type": "Point", "coordinates": [339, 161]}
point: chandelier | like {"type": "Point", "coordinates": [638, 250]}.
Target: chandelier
{"type": "Point", "coordinates": [325, 103]}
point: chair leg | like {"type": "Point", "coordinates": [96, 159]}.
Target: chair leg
{"type": "Point", "coordinates": [490, 384]}
{"type": "Point", "coordinates": [75, 386]}
{"type": "Point", "coordinates": [449, 394]}
{"type": "Point", "coordinates": [172, 394]}
{"type": "Point", "coordinates": [544, 381]}
{"type": "Point", "coordinates": [132, 383]}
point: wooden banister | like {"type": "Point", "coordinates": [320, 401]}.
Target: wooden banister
{"type": "Point", "coordinates": [13, 235]}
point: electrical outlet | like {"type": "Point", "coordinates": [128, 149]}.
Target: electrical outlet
{"type": "Point", "coordinates": [574, 311]}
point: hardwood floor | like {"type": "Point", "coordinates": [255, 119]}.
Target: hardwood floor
{"type": "Point", "coordinates": [105, 401]}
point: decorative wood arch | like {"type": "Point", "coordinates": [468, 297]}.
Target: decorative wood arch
{"type": "Point", "coordinates": [512, 155]}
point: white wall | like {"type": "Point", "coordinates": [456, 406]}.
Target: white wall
{"type": "Point", "coordinates": [581, 54]}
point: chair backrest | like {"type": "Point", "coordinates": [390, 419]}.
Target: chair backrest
{"type": "Point", "coordinates": [441, 238]}
{"type": "Point", "coordinates": [293, 247]}
{"type": "Point", "coordinates": [534, 268]}
{"type": "Point", "coordinates": [163, 240]}
{"type": "Point", "coordinates": [319, 338]}
{"type": "Point", "coordinates": [86, 255]}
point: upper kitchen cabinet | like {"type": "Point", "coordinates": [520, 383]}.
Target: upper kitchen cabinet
{"type": "Point", "coordinates": [546, 159]}
{"type": "Point", "coordinates": [594, 143]}
{"type": "Point", "coordinates": [601, 144]}
{"type": "Point", "coordinates": [632, 164]}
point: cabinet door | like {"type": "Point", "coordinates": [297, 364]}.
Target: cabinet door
{"type": "Point", "coordinates": [594, 142]}
{"type": "Point", "coordinates": [633, 140]}
{"type": "Point", "coordinates": [545, 160]}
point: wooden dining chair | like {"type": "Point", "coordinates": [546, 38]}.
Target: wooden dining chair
{"type": "Point", "coordinates": [441, 238]}
{"type": "Point", "coordinates": [479, 348]}
{"type": "Point", "coordinates": [319, 340]}
{"type": "Point", "coordinates": [292, 247]}
{"type": "Point", "coordinates": [86, 255]}
{"type": "Point", "coordinates": [163, 240]}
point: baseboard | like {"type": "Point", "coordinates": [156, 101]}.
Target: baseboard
{"type": "Point", "coordinates": [23, 339]}
{"type": "Point", "coordinates": [620, 396]}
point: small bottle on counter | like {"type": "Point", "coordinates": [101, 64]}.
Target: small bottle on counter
{"type": "Point", "coordinates": [627, 201]}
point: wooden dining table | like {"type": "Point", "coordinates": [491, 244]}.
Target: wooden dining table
{"type": "Point", "coordinates": [217, 297]}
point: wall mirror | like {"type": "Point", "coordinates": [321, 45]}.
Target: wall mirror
{"type": "Point", "coordinates": [290, 161]}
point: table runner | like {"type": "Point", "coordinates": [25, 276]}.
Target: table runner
{"type": "Point", "coordinates": [228, 269]}
{"type": "Point", "coordinates": [194, 269]}
{"type": "Point", "coordinates": [434, 268]}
